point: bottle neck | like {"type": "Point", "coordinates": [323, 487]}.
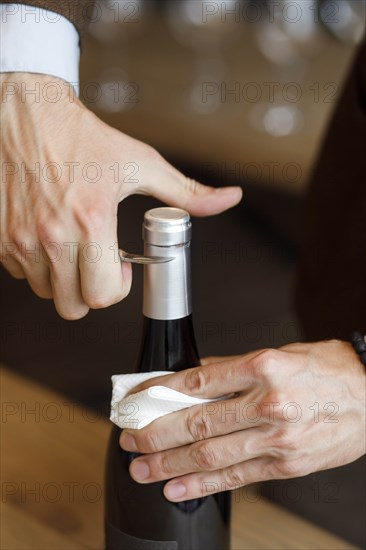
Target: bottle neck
{"type": "Point", "coordinates": [167, 286]}
{"type": "Point", "coordinates": [168, 345]}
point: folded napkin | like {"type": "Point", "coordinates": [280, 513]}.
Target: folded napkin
{"type": "Point", "coordinates": [140, 409]}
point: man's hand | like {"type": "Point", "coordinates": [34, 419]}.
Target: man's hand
{"type": "Point", "coordinates": [63, 174]}
{"type": "Point", "coordinates": [290, 412]}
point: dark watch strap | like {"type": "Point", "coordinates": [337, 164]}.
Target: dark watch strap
{"type": "Point", "coordinates": [359, 343]}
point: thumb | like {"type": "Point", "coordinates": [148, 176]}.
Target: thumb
{"type": "Point", "coordinates": [166, 183]}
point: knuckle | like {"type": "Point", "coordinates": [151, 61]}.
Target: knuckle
{"type": "Point", "coordinates": [233, 478]}
{"type": "Point", "coordinates": [267, 364]}
{"type": "Point", "coordinates": [149, 441]}
{"type": "Point", "coordinates": [286, 441]}
{"type": "Point", "coordinates": [191, 186]}
{"type": "Point", "coordinates": [204, 457]}
{"type": "Point", "coordinates": [48, 231]}
{"type": "Point", "coordinates": [16, 238]}
{"type": "Point", "coordinates": [288, 468]}
{"type": "Point", "coordinates": [196, 380]}
{"type": "Point", "coordinates": [199, 428]}
{"type": "Point", "coordinates": [24, 248]}
{"type": "Point", "coordinates": [277, 398]}
{"type": "Point", "coordinates": [165, 466]}
{"type": "Point", "coordinates": [92, 218]}
{"type": "Point", "coordinates": [94, 221]}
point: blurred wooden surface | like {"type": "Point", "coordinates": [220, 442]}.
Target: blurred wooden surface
{"type": "Point", "coordinates": [157, 71]}
{"type": "Point", "coordinates": [52, 457]}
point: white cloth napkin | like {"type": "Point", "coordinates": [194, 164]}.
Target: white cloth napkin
{"type": "Point", "coordinates": [140, 409]}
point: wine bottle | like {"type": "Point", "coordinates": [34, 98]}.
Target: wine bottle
{"type": "Point", "coordinates": [138, 516]}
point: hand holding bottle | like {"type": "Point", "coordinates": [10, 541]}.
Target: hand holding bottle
{"type": "Point", "coordinates": [293, 411]}
{"type": "Point", "coordinates": [64, 173]}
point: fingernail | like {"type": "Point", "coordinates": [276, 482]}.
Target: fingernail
{"type": "Point", "coordinates": [139, 470]}
{"type": "Point", "coordinates": [128, 442]}
{"type": "Point", "coordinates": [230, 190]}
{"type": "Point", "coordinates": [174, 491]}
{"type": "Point", "coordinates": [227, 188]}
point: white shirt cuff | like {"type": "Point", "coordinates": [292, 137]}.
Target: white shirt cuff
{"type": "Point", "coordinates": [36, 40]}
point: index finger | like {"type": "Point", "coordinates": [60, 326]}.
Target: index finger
{"type": "Point", "coordinates": [104, 279]}
{"type": "Point", "coordinates": [209, 381]}
{"type": "Point", "coordinates": [211, 359]}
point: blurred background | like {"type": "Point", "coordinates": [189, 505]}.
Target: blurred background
{"type": "Point", "coordinates": [230, 92]}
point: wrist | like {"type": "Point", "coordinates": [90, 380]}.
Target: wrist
{"type": "Point", "coordinates": [30, 88]}
{"type": "Point", "coordinates": [354, 372]}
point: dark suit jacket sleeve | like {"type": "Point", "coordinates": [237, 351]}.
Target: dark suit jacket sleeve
{"type": "Point", "coordinates": [331, 289]}
{"type": "Point", "coordinates": [79, 12]}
